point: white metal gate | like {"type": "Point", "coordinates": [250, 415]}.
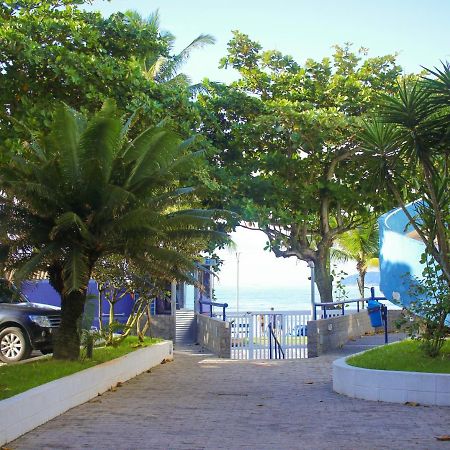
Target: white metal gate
{"type": "Point", "coordinates": [250, 333]}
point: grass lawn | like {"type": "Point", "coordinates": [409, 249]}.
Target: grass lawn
{"type": "Point", "coordinates": [406, 356]}
{"type": "Point", "coordinates": [17, 378]}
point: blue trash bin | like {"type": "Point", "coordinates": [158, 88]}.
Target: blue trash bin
{"type": "Point", "coordinates": [374, 310]}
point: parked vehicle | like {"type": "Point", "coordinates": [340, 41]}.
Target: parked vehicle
{"type": "Point", "coordinates": [24, 326]}
{"type": "Point", "coordinates": [300, 330]}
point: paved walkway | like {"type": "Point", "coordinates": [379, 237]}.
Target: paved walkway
{"type": "Point", "coordinates": [199, 402]}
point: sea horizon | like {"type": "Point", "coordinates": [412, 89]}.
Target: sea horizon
{"type": "Point", "coordinates": [281, 298]}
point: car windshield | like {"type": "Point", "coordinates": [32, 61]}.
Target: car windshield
{"type": "Point", "coordinates": [10, 294]}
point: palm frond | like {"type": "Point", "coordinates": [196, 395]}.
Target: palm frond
{"type": "Point", "coordinates": [36, 261]}
{"type": "Point", "coordinates": [379, 138]}
{"type": "Point", "coordinates": [409, 108]}
{"type": "Point", "coordinates": [71, 222]}
{"type": "Point", "coordinates": [171, 66]}
{"type": "Point", "coordinates": [65, 138]}
{"type": "Point", "coordinates": [154, 162]}
{"type": "Point", "coordinates": [91, 194]}
{"type": "Point", "coordinates": [142, 218]}
{"type": "Point", "coordinates": [99, 145]}
{"type": "Point", "coordinates": [339, 255]}
{"type": "Point", "coordinates": [141, 144]}
{"type": "Point", "coordinates": [76, 271]}
{"type": "Point", "coordinates": [439, 86]}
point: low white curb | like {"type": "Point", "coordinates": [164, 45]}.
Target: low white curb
{"type": "Point", "coordinates": [28, 410]}
{"type": "Point", "coordinates": [391, 386]}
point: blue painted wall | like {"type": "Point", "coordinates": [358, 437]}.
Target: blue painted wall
{"type": "Point", "coordinates": [41, 292]}
{"type": "Point", "coordinates": [399, 256]}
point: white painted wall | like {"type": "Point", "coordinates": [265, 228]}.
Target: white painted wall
{"type": "Point", "coordinates": [391, 386]}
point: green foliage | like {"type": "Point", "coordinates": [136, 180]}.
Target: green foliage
{"type": "Point", "coordinates": [289, 161]}
{"type": "Point", "coordinates": [432, 309]}
{"type": "Point", "coordinates": [53, 51]}
{"type": "Point", "coordinates": [87, 191]}
{"type": "Point", "coordinates": [118, 277]}
{"type": "Point", "coordinates": [88, 338]}
{"type": "Point", "coordinates": [409, 142]}
{"type": "Point", "coordinates": [339, 289]}
{"type": "Point", "coordinates": [164, 68]}
{"type": "Point", "coordinates": [360, 245]}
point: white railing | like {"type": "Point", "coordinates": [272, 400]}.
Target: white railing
{"type": "Point", "coordinates": [250, 333]}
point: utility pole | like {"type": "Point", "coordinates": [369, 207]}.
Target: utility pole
{"type": "Point", "coordinates": [313, 290]}
{"type": "Point", "coordinates": [238, 254]}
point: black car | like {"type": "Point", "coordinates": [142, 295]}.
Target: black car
{"type": "Point", "coordinates": [24, 326]}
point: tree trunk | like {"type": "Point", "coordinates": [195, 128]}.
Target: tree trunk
{"type": "Point", "coordinates": [323, 280]}
{"type": "Point", "coordinates": [361, 280]}
{"type": "Point", "coordinates": [66, 342]}
{"type": "Point", "coordinates": [111, 323]}
{"type": "Point", "coordinates": [361, 283]}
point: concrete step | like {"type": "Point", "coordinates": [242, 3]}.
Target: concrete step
{"type": "Point", "coordinates": [185, 327]}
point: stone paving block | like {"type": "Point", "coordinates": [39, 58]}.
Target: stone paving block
{"type": "Point", "coordinates": [199, 402]}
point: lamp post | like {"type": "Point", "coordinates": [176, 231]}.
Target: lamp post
{"type": "Point", "coordinates": [313, 291]}
{"type": "Point", "coordinates": [238, 254]}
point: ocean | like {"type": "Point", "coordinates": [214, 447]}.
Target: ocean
{"type": "Point", "coordinates": [280, 298]}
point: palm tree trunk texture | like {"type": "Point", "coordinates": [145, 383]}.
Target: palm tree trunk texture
{"type": "Point", "coordinates": [66, 344]}
{"type": "Point", "coordinates": [361, 278]}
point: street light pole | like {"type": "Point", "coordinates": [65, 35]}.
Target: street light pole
{"type": "Point", "coordinates": [313, 290]}
{"type": "Point", "coordinates": [238, 254]}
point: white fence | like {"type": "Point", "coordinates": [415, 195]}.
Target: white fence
{"type": "Point", "coordinates": [250, 333]}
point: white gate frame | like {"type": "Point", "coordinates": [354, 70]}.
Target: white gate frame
{"type": "Point", "coordinates": [250, 333]}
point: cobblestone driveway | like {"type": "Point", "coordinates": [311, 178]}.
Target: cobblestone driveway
{"type": "Point", "coordinates": [199, 402]}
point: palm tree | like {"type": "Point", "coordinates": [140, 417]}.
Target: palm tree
{"type": "Point", "coordinates": [408, 147]}
{"type": "Point", "coordinates": [360, 245]}
{"type": "Point", "coordinates": [165, 68]}
{"type": "Point", "coordinates": [84, 192]}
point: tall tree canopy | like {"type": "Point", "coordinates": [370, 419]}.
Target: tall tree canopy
{"type": "Point", "coordinates": [289, 162]}
{"type": "Point", "coordinates": [52, 50]}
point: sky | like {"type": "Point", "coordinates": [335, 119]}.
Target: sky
{"type": "Point", "coordinates": [418, 31]}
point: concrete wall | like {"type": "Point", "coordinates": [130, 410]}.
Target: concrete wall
{"type": "Point", "coordinates": [162, 326]}
{"type": "Point", "coordinates": [214, 334]}
{"type": "Point", "coordinates": [326, 335]}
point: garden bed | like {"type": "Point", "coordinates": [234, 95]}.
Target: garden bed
{"type": "Point", "coordinates": [17, 378]}
{"type": "Point", "coordinates": [404, 356]}
{"type": "Point", "coordinates": [71, 385]}
{"type": "Point", "coordinates": [398, 385]}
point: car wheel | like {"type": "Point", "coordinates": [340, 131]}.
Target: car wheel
{"type": "Point", "coordinates": [14, 345]}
